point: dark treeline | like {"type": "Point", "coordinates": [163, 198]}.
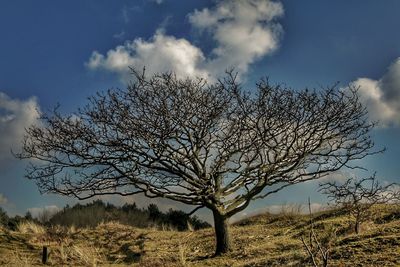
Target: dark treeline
{"type": "Point", "coordinates": [12, 222]}
{"type": "Point", "coordinates": [96, 212]}
{"type": "Point", "coordinates": [3, 217]}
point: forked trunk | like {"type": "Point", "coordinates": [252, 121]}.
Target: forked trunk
{"type": "Point", "coordinates": [223, 244]}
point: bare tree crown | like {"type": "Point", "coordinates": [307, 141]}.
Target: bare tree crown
{"type": "Point", "coordinates": [358, 196]}
{"type": "Point", "coordinates": [359, 193]}
{"type": "Point", "coordinates": [212, 145]}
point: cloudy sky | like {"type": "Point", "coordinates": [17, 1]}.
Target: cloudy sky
{"type": "Point", "coordinates": [64, 51]}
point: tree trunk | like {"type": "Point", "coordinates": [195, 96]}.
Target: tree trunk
{"type": "Point", "coordinates": [357, 222]}
{"type": "Point", "coordinates": [357, 227]}
{"type": "Point", "coordinates": [223, 244]}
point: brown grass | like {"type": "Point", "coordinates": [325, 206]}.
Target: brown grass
{"type": "Point", "coordinates": [264, 240]}
{"type": "Point", "coordinates": [31, 228]}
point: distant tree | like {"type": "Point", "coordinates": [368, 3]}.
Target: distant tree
{"type": "Point", "coordinates": [154, 212]}
{"type": "Point", "coordinates": [358, 196]}
{"type": "Point", "coordinates": [129, 207]}
{"type": "Point", "coordinates": [13, 222]}
{"type": "Point", "coordinates": [92, 214]}
{"type": "Point", "coordinates": [197, 224]}
{"type": "Point", "coordinates": [178, 219]}
{"type": "Point", "coordinates": [45, 215]}
{"type": "Point", "coordinates": [88, 215]}
{"type": "Point", "coordinates": [210, 145]}
{"type": "Point", "coordinates": [98, 203]}
{"type": "Point", "coordinates": [28, 216]}
{"type": "Point", "coordinates": [3, 217]}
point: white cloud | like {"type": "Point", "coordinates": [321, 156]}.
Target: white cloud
{"type": "Point", "coordinates": [338, 176]}
{"type": "Point", "coordinates": [119, 35]}
{"type": "Point", "coordinates": [158, 54]}
{"type": "Point", "coordinates": [125, 14]}
{"type": "Point", "coordinates": [15, 116]}
{"type": "Point", "coordinates": [3, 200]}
{"type": "Point", "coordinates": [243, 31]}
{"type": "Point", "coordinates": [157, 1]}
{"type": "Point", "coordinates": [382, 97]}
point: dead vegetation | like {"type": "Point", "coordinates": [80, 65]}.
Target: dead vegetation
{"type": "Point", "coordinates": [263, 240]}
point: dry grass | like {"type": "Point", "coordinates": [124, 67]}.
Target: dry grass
{"type": "Point", "coordinates": [31, 228]}
{"type": "Point", "coordinates": [83, 254]}
{"type": "Point", "coordinates": [20, 258]}
{"type": "Point", "coordinates": [265, 240]}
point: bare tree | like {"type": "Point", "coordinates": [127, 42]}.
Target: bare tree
{"type": "Point", "coordinates": [208, 145]}
{"type": "Point", "coordinates": [358, 196]}
{"type": "Point", "coordinates": [45, 215]}
{"type": "Point", "coordinates": [317, 250]}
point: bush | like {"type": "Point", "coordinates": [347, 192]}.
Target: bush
{"type": "Point", "coordinates": [92, 214]}
{"type": "Point", "coordinates": [3, 217]}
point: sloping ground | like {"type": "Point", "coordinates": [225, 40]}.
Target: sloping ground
{"type": "Point", "coordinates": [265, 240]}
{"type": "Point", "coordinates": [15, 249]}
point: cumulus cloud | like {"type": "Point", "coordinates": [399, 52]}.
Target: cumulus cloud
{"type": "Point", "coordinates": [243, 31]}
{"type": "Point", "coordinates": [158, 54]}
{"type": "Point", "coordinates": [382, 97]}
{"type": "Point", "coordinates": [3, 200]}
{"type": "Point", "coordinates": [338, 176]}
{"type": "Point", "coordinates": [15, 116]}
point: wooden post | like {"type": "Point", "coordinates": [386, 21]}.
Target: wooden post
{"type": "Point", "coordinates": [44, 255]}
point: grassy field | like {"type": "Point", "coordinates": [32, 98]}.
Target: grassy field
{"type": "Point", "coordinates": [263, 240]}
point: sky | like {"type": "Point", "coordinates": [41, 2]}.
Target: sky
{"type": "Point", "coordinates": [61, 52]}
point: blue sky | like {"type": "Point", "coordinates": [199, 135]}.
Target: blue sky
{"type": "Point", "coordinates": [64, 51]}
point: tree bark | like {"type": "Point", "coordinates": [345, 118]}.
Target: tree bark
{"type": "Point", "coordinates": [223, 243]}
{"type": "Point", "coordinates": [357, 222]}
{"type": "Point", "coordinates": [357, 227]}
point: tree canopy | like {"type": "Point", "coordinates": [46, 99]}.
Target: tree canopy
{"type": "Point", "coordinates": [206, 144]}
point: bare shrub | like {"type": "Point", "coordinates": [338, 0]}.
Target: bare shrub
{"type": "Point", "coordinates": [318, 249]}
{"type": "Point", "coordinates": [358, 196]}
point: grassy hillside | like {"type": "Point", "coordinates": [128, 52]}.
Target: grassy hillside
{"type": "Point", "coordinates": [263, 240]}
